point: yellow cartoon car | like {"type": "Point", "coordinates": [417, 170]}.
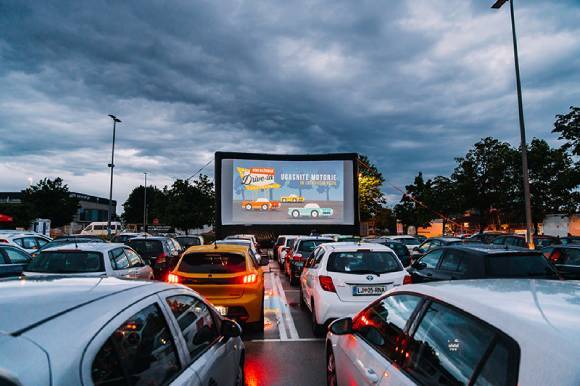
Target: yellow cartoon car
{"type": "Point", "coordinates": [292, 198]}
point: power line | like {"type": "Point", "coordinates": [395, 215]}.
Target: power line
{"type": "Point", "coordinates": [200, 170]}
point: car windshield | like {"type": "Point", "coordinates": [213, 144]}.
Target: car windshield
{"type": "Point", "coordinates": [67, 262]}
{"type": "Point", "coordinates": [212, 263]}
{"type": "Point", "coordinates": [188, 241]}
{"type": "Point", "coordinates": [307, 246]}
{"type": "Point", "coordinates": [409, 241]}
{"type": "Point", "coordinates": [146, 248]}
{"type": "Point", "coordinates": [363, 262]}
{"type": "Point", "coordinates": [61, 242]}
{"type": "Point", "coordinates": [543, 242]}
{"type": "Point", "coordinates": [526, 265]}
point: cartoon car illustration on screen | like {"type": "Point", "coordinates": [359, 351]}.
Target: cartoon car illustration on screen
{"type": "Point", "coordinates": [292, 198]}
{"type": "Point", "coordinates": [312, 210]}
{"type": "Point", "coordinates": [260, 204]}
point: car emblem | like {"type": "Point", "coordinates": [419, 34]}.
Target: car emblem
{"type": "Point", "coordinates": [370, 277]}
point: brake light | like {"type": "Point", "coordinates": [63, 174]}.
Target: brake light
{"type": "Point", "coordinates": [250, 278]}
{"type": "Point", "coordinates": [173, 278]}
{"type": "Point", "coordinates": [297, 256]}
{"type": "Point", "coordinates": [3, 241]}
{"type": "Point", "coordinates": [408, 279]}
{"type": "Point", "coordinates": [326, 283]}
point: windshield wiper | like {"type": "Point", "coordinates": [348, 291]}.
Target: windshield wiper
{"type": "Point", "coordinates": [364, 271]}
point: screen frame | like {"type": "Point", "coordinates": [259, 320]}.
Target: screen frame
{"type": "Point", "coordinates": [222, 230]}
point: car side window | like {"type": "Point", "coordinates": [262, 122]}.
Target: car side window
{"type": "Point", "coordinates": [446, 347]}
{"type": "Point", "coordinates": [2, 257]}
{"type": "Point", "coordinates": [195, 321]}
{"type": "Point", "coordinates": [382, 325]}
{"type": "Point", "coordinates": [134, 258]}
{"type": "Point", "coordinates": [140, 351]}
{"type": "Point", "coordinates": [41, 242]}
{"type": "Point", "coordinates": [16, 257]}
{"type": "Point", "coordinates": [118, 259]}
{"type": "Point", "coordinates": [453, 261]}
{"type": "Point", "coordinates": [499, 241]}
{"type": "Point", "coordinates": [26, 243]}
{"type": "Point", "coordinates": [432, 258]}
{"type": "Point", "coordinates": [426, 246]}
{"type": "Point", "coordinates": [501, 367]}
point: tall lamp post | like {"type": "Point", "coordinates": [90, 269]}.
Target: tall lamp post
{"type": "Point", "coordinates": [112, 166]}
{"type": "Point", "coordinates": [526, 178]}
{"type": "Point", "coordinates": [145, 205]}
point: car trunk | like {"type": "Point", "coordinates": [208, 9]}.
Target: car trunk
{"type": "Point", "coordinates": [350, 287]}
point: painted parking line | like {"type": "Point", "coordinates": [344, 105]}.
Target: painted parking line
{"type": "Point", "coordinates": [285, 308]}
{"type": "Point", "coordinates": [275, 305]}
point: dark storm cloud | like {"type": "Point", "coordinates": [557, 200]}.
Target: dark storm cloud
{"type": "Point", "coordinates": [412, 84]}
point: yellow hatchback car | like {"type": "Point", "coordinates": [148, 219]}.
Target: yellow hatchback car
{"type": "Point", "coordinates": [228, 276]}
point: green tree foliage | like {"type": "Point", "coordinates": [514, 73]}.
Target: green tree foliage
{"type": "Point", "coordinates": [20, 213]}
{"type": "Point", "coordinates": [385, 221]}
{"type": "Point", "coordinates": [133, 207]}
{"type": "Point", "coordinates": [50, 199]}
{"type": "Point", "coordinates": [190, 205]}
{"type": "Point", "coordinates": [371, 199]}
{"type": "Point", "coordinates": [568, 128]}
{"type": "Point", "coordinates": [418, 193]}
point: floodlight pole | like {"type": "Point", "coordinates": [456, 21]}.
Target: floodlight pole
{"type": "Point", "coordinates": [112, 166]}
{"type": "Point", "coordinates": [523, 145]}
{"type": "Point", "coordinates": [145, 205]}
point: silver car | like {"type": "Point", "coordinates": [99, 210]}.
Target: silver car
{"type": "Point", "coordinates": [104, 331]}
{"type": "Point", "coordinates": [90, 259]}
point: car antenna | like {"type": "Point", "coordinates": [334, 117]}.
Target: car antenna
{"type": "Point", "coordinates": [215, 244]}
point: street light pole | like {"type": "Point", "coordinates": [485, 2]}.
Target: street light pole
{"type": "Point", "coordinates": [145, 205]}
{"type": "Point", "coordinates": [112, 166]}
{"type": "Point", "coordinates": [523, 145]}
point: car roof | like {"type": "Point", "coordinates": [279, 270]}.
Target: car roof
{"type": "Point", "coordinates": [349, 246]}
{"type": "Point", "coordinates": [87, 247]}
{"type": "Point", "coordinates": [31, 301]}
{"type": "Point", "coordinates": [486, 249]}
{"type": "Point", "coordinates": [149, 238]}
{"type": "Point", "coordinates": [523, 308]}
{"type": "Point", "coordinates": [234, 248]}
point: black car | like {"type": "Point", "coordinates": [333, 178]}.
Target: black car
{"type": "Point", "coordinates": [299, 253]}
{"type": "Point", "coordinates": [159, 252]}
{"type": "Point", "coordinates": [434, 242]}
{"type": "Point", "coordinates": [570, 240]}
{"type": "Point", "coordinates": [485, 238]}
{"type": "Point", "coordinates": [463, 262]}
{"type": "Point", "coordinates": [12, 260]}
{"type": "Point", "coordinates": [566, 259]}
{"type": "Point", "coordinates": [400, 249]}
{"type": "Point", "coordinates": [188, 241]}
{"type": "Point", "coordinates": [520, 241]}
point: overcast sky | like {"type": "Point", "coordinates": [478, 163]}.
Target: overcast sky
{"type": "Point", "coordinates": [412, 83]}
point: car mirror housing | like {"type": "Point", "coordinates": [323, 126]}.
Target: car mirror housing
{"type": "Point", "coordinates": [342, 326]}
{"type": "Point", "coordinates": [230, 329]}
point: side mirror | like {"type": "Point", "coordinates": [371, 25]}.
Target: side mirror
{"type": "Point", "coordinates": [230, 329]}
{"type": "Point", "coordinates": [341, 326]}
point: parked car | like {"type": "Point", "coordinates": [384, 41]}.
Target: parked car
{"type": "Point", "coordinates": [283, 250]}
{"type": "Point", "coordinates": [347, 239]}
{"type": "Point", "coordinates": [106, 331]}
{"type": "Point", "coordinates": [123, 237]}
{"type": "Point", "coordinates": [260, 204]}
{"type": "Point", "coordinates": [432, 243]}
{"type": "Point", "coordinates": [477, 332]}
{"type": "Point", "coordinates": [463, 262]}
{"type": "Point", "coordinates": [254, 254]}
{"type": "Point", "coordinates": [297, 255]}
{"type": "Point", "coordinates": [410, 241]}
{"type": "Point", "coordinates": [99, 228]}
{"type": "Point", "coordinates": [292, 198]}
{"type": "Point", "coordinates": [189, 240]}
{"type": "Point", "coordinates": [244, 237]}
{"type": "Point", "coordinates": [520, 241]}
{"type": "Point", "coordinates": [158, 252]}
{"type": "Point", "coordinates": [13, 260]}
{"type": "Point", "coordinates": [570, 240]}
{"type": "Point", "coordinates": [485, 237]}
{"type": "Point", "coordinates": [312, 210]}
{"type": "Point", "coordinates": [341, 278]}
{"type": "Point", "coordinates": [67, 240]}
{"type": "Point", "coordinates": [566, 258]}
{"type": "Point", "coordinates": [399, 248]}
{"type": "Point", "coordinates": [90, 259]}
{"type": "Point", "coordinates": [29, 241]}
{"type": "Point", "coordinates": [228, 277]}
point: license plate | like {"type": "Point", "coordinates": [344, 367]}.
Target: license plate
{"type": "Point", "coordinates": [368, 290]}
{"type": "Point", "coordinates": [222, 310]}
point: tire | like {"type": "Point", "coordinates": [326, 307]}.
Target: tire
{"type": "Point", "coordinates": [264, 207]}
{"type": "Point", "coordinates": [314, 214]}
{"type": "Point", "coordinates": [295, 213]}
{"type": "Point", "coordinates": [330, 369]}
{"type": "Point", "coordinates": [248, 207]}
{"type": "Point", "coordinates": [317, 329]}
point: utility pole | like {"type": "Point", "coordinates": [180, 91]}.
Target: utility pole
{"type": "Point", "coordinates": [145, 205]}
{"type": "Point", "coordinates": [112, 166]}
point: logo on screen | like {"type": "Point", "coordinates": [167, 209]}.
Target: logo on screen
{"type": "Point", "coordinates": [258, 178]}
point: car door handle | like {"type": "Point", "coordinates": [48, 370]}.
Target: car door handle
{"type": "Point", "coordinates": [370, 375]}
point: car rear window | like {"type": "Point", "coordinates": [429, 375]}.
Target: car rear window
{"type": "Point", "coordinates": [212, 263]}
{"type": "Point", "coordinates": [571, 257]}
{"type": "Point", "coordinates": [409, 241]}
{"type": "Point", "coordinates": [289, 242]}
{"type": "Point", "coordinates": [524, 265]}
{"type": "Point", "coordinates": [363, 262]}
{"type": "Point", "coordinates": [67, 262]}
{"type": "Point", "coordinates": [188, 241]}
{"type": "Point", "coordinates": [147, 248]}
{"type": "Point", "coordinates": [307, 246]}
{"type": "Point", "coordinates": [399, 249]}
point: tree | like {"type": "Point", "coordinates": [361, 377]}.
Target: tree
{"type": "Point", "coordinates": [190, 206]}
{"type": "Point", "coordinates": [385, 221]}
{"type": "Point", "coordinates": [405, 212]}
{"type": "Point", "coordinates": [51, 199]}
{"type": "Point", "coordinates": [370, 180]}
{"type": "Point", "coordinates": [20, 213]}
{"type": "Point", "coordinates": [420, 194]}
{"type": "Point", "coordinates": [445, 198]}
{"type": "Point", "coordinates": [156, 203]}
{"type": "Point", "coordinates": [568, 126]}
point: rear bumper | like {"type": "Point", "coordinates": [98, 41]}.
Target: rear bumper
{"type": "Point", "coordinates": [330, 307]}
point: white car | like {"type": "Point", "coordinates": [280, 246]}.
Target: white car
{"type": "Point", "coordinates": [90, 259]}
{"type": "Point", "coordinates": [106, 331]}
{"type": "Point", "coordinates": [339, 279]}
{"type": "Point", "coordinates": [29, 241]}
{"type": "Point", "coordinates": [409, 241]}
{"type": "Point", "coordinates": [504, 332]}
{"type": "Point", "coordinates": [283, 249]}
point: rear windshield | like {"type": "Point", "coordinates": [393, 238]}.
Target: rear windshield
{"type": "Point", "coordinates": [409, 241]}
{"type": "Point", "coordinates": [213, 263]}
{"type": "Point", "coordinates": [519, 266]}
{"type": "Point", "coordinates": [307, 246]}
{"type": "Point", "coordinates": [67, 262]}
{"type": "Point", "coordinates": [363, 262]}
{"type": "Point", "coordinates": [188, 241]}
{"type": "Point", "coordinates": [147, 248]}
{"type": "Point", "coordinates": [399, 249]}
{"type": "Point", "coordinates": [289, 242]}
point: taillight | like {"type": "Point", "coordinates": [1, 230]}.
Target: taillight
{"type": "Point", "coordinates": [326, 283]}
{"type": "Point", "coordinates": [3, 241]}
{"type": "Point", "coordinates": [408, 279]}
{"type": "Point", "coordinates": [250, 278]}
{"type": "Point", "coordinates": [173, 278]}
{"type": "Point", "coordinates": [161, 259]}
{"type": "Point", "coordinates": [297, 256]}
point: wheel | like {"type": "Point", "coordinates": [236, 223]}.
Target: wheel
{"type": "Point", "coordinates": [248, 207]}
{"type": "Point", "coordinates": [265, 207]}
{"type": "Point", "coordinates": [295, 213]}
{"type": "Point", "coordinates": [314, 214]}
{"type": "Point", "coordinates": [302, 302]}
{"type": "Point", "coordinates": [318, 329]}
{"type": "Point", "coordinates": [330, 369]}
